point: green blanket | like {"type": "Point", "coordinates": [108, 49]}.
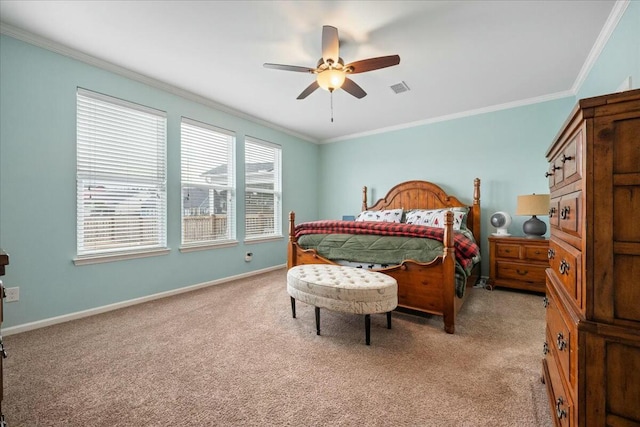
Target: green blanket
{"type": "Point", "coordinates": [384, 250]}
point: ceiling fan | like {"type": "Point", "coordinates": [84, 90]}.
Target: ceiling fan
{"type": "Point", "coordinates": [331, 72]}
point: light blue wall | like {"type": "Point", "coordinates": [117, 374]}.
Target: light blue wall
{"type": "Point", "coordinates": [37, 190]}
{"type": "Point", "coordinates": [505, 149]}
{"type": "Point", "coordinates": [37, 173]}
{"type": "Point", "coordinates": [619, 59]}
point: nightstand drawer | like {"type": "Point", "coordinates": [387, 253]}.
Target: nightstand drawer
{"type": "Point", "coordinates": [521, 271]}
{"type": "Point", "coordinates": [505, 250]}
{"type": "Point", "coordinates": [537, 253]}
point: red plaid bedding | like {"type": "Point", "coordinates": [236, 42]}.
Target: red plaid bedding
{"type": "Point", "coordinates": [465, 248]}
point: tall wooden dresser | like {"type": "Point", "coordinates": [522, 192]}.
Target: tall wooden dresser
{"type": "Point", "coordinates": [592, 350]}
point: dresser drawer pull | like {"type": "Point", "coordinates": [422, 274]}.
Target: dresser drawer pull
{"type": "Point", "coordinates": [552, 212]}
{"type": "Point", "coordinates": [560, 413]}
{"type": "Point", "coordinates": [551, 253]}
{"type": "Point", "coordinates": [545, 348]}
{"type": "Point", "coordinates": [548, 174]}
{"type": "Point", "coordinates": [562, 343]}
{"type": "Point", "coordinates": [564, 267]}
{"type": "Point", "coordinates": [545, 302]}
{"type": "Point", "coordinates": [565, 158]}
{"type": "Point", "coordinates": [522, 273]}
{"type": "Point", "coordinates": [564, 212]}
{"type": "Point", "coordinates": [2, 350]}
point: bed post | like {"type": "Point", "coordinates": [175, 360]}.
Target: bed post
{"type": "Point", "coordinates": [291, 253]}
{"type": "Point", "coordinates": [449, 285]}
{"type": "Point", "coordinates": [477, 224]}
{"type": "Point", "coordinates": [364, 198]}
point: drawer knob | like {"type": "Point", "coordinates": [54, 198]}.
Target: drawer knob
{"type": "Point", "coordinates": [522, 273]}
{"type": "Point", "coordinates": [548, 174]}
{"type": "Point", "coordinates": [545, 348]}
{"type": "Point", "coordinates": [551, 253]}
{"type": "Point", "coordinates": [560, 413]}
{"type": "Point", "coordinates": [545, 302]}
{"type": "Point", "coordinates": [562, 343]}
{"type": "Point", "coordinates": [565, 158]}
{"type": "Point", "coordinates": [564, 267]}
{"type": "Point", "coordinates": [552, 212]}
{"type": "Point", "coordinates": [564, 212]}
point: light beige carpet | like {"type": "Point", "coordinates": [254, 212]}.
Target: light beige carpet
{"type": "Point", "coordinates": [232, 355]}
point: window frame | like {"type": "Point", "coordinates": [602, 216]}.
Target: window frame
{"type": "Point", "coordinates": [230, 207]}
{"type": "Point", "coordinates": [276, 191]}
{"type": "Point", "coordinates": [138, 193]}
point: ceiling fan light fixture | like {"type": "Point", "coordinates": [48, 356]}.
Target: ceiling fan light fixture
{"type": "Point", "coordinates": [331, 79]}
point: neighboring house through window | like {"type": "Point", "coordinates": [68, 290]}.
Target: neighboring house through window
{"type": "Point", "coordinates": [263, 189]}
{"type": "Point", "coordinates": [121, 177]}
{"type": "Point", "coordinates": [208, 184]}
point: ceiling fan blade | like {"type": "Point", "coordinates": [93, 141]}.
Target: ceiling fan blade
{"type": "Point", "coordinates": [309, 90]}
{"type": "Point", "coordinates": [330, 44]}
{"type": "Point", "coordinates": [373, 63]}
{"type": "Point", "coordinates": [352, 87]}
{"type": "Point", "coordinates": [290, 68]}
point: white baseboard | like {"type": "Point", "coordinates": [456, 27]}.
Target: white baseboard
{"type": "Point", "coordinates": [103, 309]}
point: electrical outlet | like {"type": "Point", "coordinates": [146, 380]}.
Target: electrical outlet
{"type": "Point", "coordinates": [12, 294]}
{"type": "Point", "coordinates": [248, 256]}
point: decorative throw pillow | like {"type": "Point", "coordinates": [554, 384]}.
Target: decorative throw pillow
{"type": "Point", "coordinates": [392, 215]}
{"type": "Point", "coordinates": [435, 217]}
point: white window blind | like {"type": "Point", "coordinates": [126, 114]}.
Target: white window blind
{"type": "Point", "coordinates": [263, 193]}
{"type": "Point", "coordinates": [208, 183]}
{"type": "Point", "coordinates": [121, 176]}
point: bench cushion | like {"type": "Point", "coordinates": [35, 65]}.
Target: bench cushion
{"type": "Point", "coordinates": [344, 289]}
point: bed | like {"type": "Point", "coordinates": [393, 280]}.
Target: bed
{"type": "Point", "coordinates": [428, 216]}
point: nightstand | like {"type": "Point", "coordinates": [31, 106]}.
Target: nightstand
{"type": "Point", "coordinates": [518, 263]}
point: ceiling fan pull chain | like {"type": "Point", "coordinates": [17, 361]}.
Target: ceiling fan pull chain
{"type": "Point", "coordinates": [331, 106]}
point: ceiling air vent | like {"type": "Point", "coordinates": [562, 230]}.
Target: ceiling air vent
{"type": "Point", "coordinates": [400, 87]}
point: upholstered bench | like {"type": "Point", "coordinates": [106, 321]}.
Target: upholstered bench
{"type": "Point", "coordinates": [343, 289]}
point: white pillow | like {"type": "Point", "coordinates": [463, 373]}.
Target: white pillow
{"type": "Point", "coordinates": [435, 217]}
{"type": "Point", "coordinates": [392, 215]}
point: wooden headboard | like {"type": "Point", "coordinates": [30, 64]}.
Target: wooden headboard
{"type": "Point", "coordinates": [427, 195]}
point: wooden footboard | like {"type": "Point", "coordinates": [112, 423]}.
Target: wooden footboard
{"type": "Point", "coordinates": [428, 288]}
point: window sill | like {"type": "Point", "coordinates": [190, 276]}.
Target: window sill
{"type": "Point", "coordinates": [99, 259]}
{"type": "Point", "coordinates": [207, 246]}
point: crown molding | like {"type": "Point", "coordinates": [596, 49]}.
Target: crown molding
{"type": "Point", "coordinates": [468, 113]}
{"type": "Point", "coordinates": [61, 49]}
{"type": "Point", "coordinates": [610, 25]}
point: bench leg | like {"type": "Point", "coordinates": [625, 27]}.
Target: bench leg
{"type": "Point", "coordinates": [317, 320]}
{"type": "Point", "coordinates": [367, 328]}
{"type": "Point", "coordinates": [388, 320]}
{"type": "Point", "coordinates": [293, 307]}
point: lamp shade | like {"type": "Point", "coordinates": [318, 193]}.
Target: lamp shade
{"type": "Point", "coordinates": [533, 204]}
{"type": "Point", "coordinates": [331, 79]}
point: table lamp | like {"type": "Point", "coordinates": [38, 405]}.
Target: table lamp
{"type": "Point", "coordinates": [533, 204]}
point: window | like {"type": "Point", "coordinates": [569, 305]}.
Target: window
{"type": "Point", "coordinates": [208, 184]}
{"type": "Point", "coordinates": [121, 177]}
{"type": "Point", "coordinates": [263, 194]}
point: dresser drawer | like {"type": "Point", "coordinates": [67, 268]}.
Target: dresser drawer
{"type": "Point", "coordinates": [560, 338]}
{"type": "Point", "coordinates": [565, 263]}
{"type": "Point", "coordinates": [565, 168]}
{"type": "Point", "coordinates": [521, 271]}
{"type": "Point", "coordinates": [569, 207]}
{"type": "Point", "coordinates": [559, 398]}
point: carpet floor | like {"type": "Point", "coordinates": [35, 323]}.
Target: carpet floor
{"type": "Point", "coordinates": [232, 355]}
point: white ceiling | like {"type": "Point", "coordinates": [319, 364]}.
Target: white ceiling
{"type": "Point", "coordinates": [456, 56]}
